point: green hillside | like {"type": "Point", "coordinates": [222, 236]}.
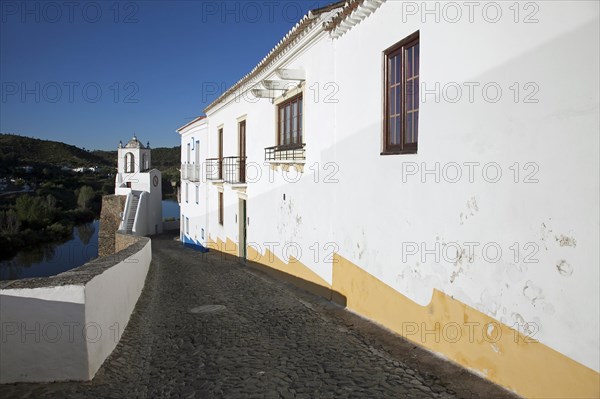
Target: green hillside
{"type": "Point", "coordinates": [19, 150]}
{"type": "Point", "coordinates": [165, 158]}
{"type": "Point", "coordinates": [162, 158]}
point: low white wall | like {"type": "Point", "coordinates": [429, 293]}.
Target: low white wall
{"type": "Point", "coordinates": [42, 334]}
{"type": "Point", "coordinates": [109, 301]}
{"type": "Point", "coordinates": [64, 327]}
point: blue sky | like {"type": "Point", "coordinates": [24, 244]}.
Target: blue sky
{"type": "Point", "coordinates": [93, 73]}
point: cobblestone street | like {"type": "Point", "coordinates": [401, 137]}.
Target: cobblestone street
{"type": "Point", "coordinates": [209, 327]}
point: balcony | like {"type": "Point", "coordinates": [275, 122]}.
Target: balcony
{"type": "Point", "coordinates": [214, 169]}
{"type": "Point", "coordinates": [283, 153]}
{"type": "Point", "coordinates": [190, 172]}
{"type": "Point", "coordinates": [185, 171]}
{"type": "Point", "coordinates": [234, 170]}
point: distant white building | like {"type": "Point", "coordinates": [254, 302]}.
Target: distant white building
{"type": "Point", "coordinates": [433, 164]}
{"type": "Point", "coordinates": [143, 187]}
{"type": "Point", "coordinates": [193, 200]}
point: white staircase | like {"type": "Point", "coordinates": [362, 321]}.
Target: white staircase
{"type": "Point", "coordinates": [133, 205]}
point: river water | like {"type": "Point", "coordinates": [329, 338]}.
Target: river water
{"type": "Point", "coordinates": [170, 209]}
{"type": "Point", "coordinates": [50, 259]}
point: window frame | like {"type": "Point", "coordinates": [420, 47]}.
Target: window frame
{"type": "Point", "coordinates": [298, 98]}
{"type": "Point", "coordinates": [398, 48]}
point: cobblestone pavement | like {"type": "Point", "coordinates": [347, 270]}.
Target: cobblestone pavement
{"type": "Point", "coordinates": [262, 339]}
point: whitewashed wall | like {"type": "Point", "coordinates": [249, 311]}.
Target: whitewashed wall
{"type": "Point", "coordinates": [43, 334]}
{"type": "Point", "coordinates": [65, 332]}
{"type": "Point", "coordinates": [109, 302]}
{"type": "Point", "coordinates": [150, 207]}
{"type": "Point", "coordinates": [420, 231]}
{"type": "Point", "coordinates": [196, 212]}
{"type": "Point", "coordinates": [555, 220]}
{"type": "Point", "coordinates": [288, 227]}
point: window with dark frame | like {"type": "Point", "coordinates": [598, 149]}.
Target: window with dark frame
{"type": "Point", "coordinates": [289, 132]}
{"type": "Point", "coordinates": [401, 97]}
{"type": "Point", "coordinates": [221, 208]}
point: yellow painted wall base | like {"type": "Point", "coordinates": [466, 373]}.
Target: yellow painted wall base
{"type": "Point", "coordinates": [468, 337]}
{"type": "Point", "coordinates": [228, 247]}
{"type": "Point", "coordinates": [464, 335]}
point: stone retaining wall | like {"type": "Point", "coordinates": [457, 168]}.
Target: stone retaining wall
{"type": "Point", "coordinates": [123, 241]}
{"type": "Point", "coordinates": [110, 218]}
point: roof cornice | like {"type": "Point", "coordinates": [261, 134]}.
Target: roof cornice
{"type": "Point", "coordinates": [289, 40]}
{"type": "Point", "coordinates": [354, 12]}
{"type": "Point", "coordinates": [339, 18]}
{"type": "Point", "coordinates": [190, 123]}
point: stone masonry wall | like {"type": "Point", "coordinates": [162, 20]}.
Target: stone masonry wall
{"type": "Point", "coordinates": [123, 241]}
{"type": "Point", "coordinates": [110, 217]}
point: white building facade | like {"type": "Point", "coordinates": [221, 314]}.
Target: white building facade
{"type": "Point", "coordinates": [194, 190]}
{"type": "Point", "coordinates": [412, 160]}
{"type": "Point", "coordinates": [143, 187]}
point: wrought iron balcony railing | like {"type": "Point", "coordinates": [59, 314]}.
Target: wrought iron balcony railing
{"type": "Point", "coordinates": [234, 170]}
{"type": "Point", "coordinates": [195, 175]}
{"type": "Point", "coordinates": [289, 152]}
{"type": "Point", "coordinates": [214, 168]}
{"type": "Point", "coordinates": [190, 172]}
{"type": "Point", "coordinates": [184, 171]}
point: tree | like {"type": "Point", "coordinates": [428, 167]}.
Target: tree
{"type": "Point", "coordinates": [9, 221]}
{"type": "Point", "coordinates": [33, 210]}
{"type": "Point", "coordinates": [51, 202]}
{"type": "Point", "coordinates": [24, 205]}
{"type": "Point", "coordinates": [86, 193]}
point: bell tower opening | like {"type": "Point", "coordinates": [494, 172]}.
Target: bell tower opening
{"type": "Point", "coordinates": [129, 163]}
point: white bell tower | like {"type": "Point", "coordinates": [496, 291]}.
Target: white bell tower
{"type": "Point", "coordinates": [143, 187]}
{"type": "Point", "coordinates": [134, 157]}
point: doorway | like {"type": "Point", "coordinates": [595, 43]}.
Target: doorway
{"type": "Point", "coordinates": [242, 151]}
{"type": "Point", "coordinates": [220, 150]}
{"type": "Point", "coordinates": [242, 225]}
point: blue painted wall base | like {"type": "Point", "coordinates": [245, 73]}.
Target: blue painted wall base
{"type": "Point", "coordinates": [190, 243]}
